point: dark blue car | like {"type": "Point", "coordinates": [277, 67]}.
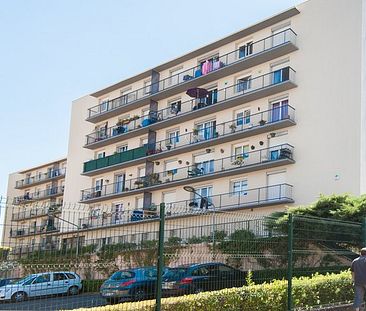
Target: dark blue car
{"type": "Point", "coordinates": [201, 277]}
{"type": "Point", "coordinates": [130, 285]}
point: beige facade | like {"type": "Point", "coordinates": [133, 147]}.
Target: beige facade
{"type": "Point", "coordinates": [281, 122]}
{"type": "Point", "coordinates": [32, 194]}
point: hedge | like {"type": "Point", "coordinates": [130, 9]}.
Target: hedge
{"type": "Point", "coordinates": [307, 291]}
{"type": "Point", "coordinates": [91, 286]}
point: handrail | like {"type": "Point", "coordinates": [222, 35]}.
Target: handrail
{"type": "Point", "coordinates": [257, 47]}
{"type": "Point", "coordinates": [230, 92]}
{"type": "Point", "coordinates": [38, 178]}
{"type": "Point", "coordinates": [250, 158]}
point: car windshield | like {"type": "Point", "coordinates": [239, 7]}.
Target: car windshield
{"type": "Point", "coordinates": [175, 273]}
{"type": "Point", "coordinates": [23, 280]}
{"type": "Point", "coordinates": [120, 275]}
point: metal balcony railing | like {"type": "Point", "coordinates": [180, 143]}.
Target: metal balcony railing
{"type": "Point", "coordinates": [37, 211]}
{"type": "Point", "coordinates": [251, 122]}
{"type": "Point", "coordinates": [232, 163]}
{"type": "Point", "coordinates": [222, 95]}
{"type": "Point", "coordinates": [32, 230]}
{"type": "Point", "coordinates": [219, 62]}
{"type": "Point", "coordinates": [40, 178]}
{"type": "Point", "coordinates": [40, 195]}
{"type": "Point", "coordinates": [245, 198]}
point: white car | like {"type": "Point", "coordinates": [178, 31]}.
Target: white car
{"type": "Point", "coordinates": [41, 284]}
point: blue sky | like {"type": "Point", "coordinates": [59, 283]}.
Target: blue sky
{"type": "Point", "coordinates": [53, 52]}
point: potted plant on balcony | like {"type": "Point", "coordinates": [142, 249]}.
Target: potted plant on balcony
{"type": "Point", "coordinates": [139, 183]}
{"type": "Point", "coordinates": [168, 146]}
{"type": "Point", "coordinates": [195, 132]}
{"type": "Point", "coordinates": [152, 179]}
{"type": "Point", "coordinates": [262, 122]}
{"type": "Point", "coordinates": [119, 128]}
{"type": "Point", "coordinates": [238, 161]}
{"type": "Point", "coordinates": [232, 127]}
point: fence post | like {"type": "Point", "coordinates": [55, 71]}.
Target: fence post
{"type": "Point", "coordinates": [364, 232]}
{"type": "Point", "coordinates": [290, 243]}
{"type": "Point", "coordinates": [159, 279]}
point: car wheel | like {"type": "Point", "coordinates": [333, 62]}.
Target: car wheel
{"type": "Point", "coordinates": [73, 290]}
{"type": "Point", "coordinates": [139, 294]}
{"type": "Point", "coordinates": [112, 301]}
{"type": "Point", "coordinates": [19, 297]}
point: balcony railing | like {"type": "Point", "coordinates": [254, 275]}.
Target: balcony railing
{"type": "Point", "coordinates": [233, 163]}
{"type": "Point", "coordinates": [230, 58]}
{"type": "Point", "coordinates": [37, 211]}
{"type": "Point", "coordinates": [40, 195]}
{"type": "Point", "coordinates": [234, 91]}
{"type": "Point", "coordinates": [40, 178]}
{"type": "Point", "coordinates": [245, 198]}
{"type": "Point", "coordinates": [24, 231]}
{"type": "Point", "coordinates": [231, 127]}
{"type": "Point", "coordinates": [116, 158]}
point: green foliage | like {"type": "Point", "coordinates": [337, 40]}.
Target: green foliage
{"type": "Point", "coordinates": [307, 292]}
{"type": "Point", "coordinates": [91, 286]}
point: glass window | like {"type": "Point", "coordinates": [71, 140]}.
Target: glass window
{"type": "Point", "coordinates": [206, 166]}
{"type": "Point", "coordinates": [123, 148]}
{"type": "Point", "coordinates": [243, 117]}
{"type": "Point", "coordinates": [280, 75]}
{"type": "Point", "coordinates": [98, 184]}
{"type": "Point", "coordinates": [100, 154]}
{"type": "Point", "coordinates": [175, 107]}
{"type": "Point", "coordinates": [240, 187]}
{"type": "Point", "coordinates": [203, 271]}
{"type": "Point", "coordinates": [121, 275]}
{"type": "Point", "coordinates": [206, 130]}
{"type": "Point", "coordinates": [246, 49]}
{"type": "Point", "coordinates": [42, 279]}
{"type": "Point", "coordinates": [211, 97]}
{"type": "Point", "coordinates": [71, 276]}
{"type": "Point", "coordinates": [173, 137]}
{"type": "Point", "coordinates": [241, 151]}
{"type": "Point", "coordinates": [103, 106]}
{"type": "Point", "coordinates": [279, 110]}
{"type": "Point", "coordinates": [59, 277]}
{"type": "Point", "coordinates": [243, 84]}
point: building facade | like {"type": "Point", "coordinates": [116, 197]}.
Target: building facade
{"type": "Point", "coordinates": [266, 118]}
{"type": "Point", "coordinates": [35, 198]}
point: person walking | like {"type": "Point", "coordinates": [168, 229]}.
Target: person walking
{"type": "Point", "coordinates": [358, 269]}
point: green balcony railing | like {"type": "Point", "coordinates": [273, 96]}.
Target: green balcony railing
{"type": "Point", "coordinates": [116, 158]}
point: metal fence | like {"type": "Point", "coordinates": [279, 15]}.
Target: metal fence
{"type": "Point", "coordinates": [67, 265]}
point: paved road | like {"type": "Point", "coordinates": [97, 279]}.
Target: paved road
{"type": "Point", "coordinates": [56, 303]}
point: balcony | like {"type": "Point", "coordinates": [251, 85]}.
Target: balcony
{"type": "Point", "coordinates": [117, 158]}
{"type": "Point", "coordinates": [40, 195]}
{"type": "Point", "coordinates": [33, 230]}
{"type": "Point", "coordinates": [251, 198]}
{"type": "Point", "coordinates": [35, 212]}
{"type": "Point", "coordinates": [257, 87]}
{"type": "Point", "coordinates": [35, 180]}
{"type": "Point", "coordinates": [257, 123]}
{"type": "Point", "coordinates": [260, 51]}
{"type": "Point", "coordinates": [248, 162]}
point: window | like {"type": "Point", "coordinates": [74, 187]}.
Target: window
{"type": "Point", "coordinates": [206, 130]}
{"type": "Point", "coordinates": [280, 75]}
{"type": "Point", "coordinates": [122, 148]}
{"type": "Point", "coordinates": [118, 209]}
{"type": "Point", "coordinates": [141, 171]}
{"type": "Point", "coordinates": [143, 141]}
{"type": "Point", "coordinates": [42, 279]}
{"type": "Point", "coordinates": [171, 167]}
{"type": "Point", "coordinates": [240, 187]}
{"type": "Point", "coordinates": [206, 167]}
{"type": "Point", "coordinates": [139, 202]}
{"type": "Point", "coordinates": [175, 107]}
{"type": "Point", "coordinates": [203, 271]}
{"type": "Point", "coordinates": [122, 275]}
{"type": "Point", "coordinates": [147, 87]}
{"type": "Point", "coordinates": [241, 150]}
{"type": "Point", "coordinates": [279, 110]}
{"type": "Point", "coordinates": [95, 213]}
{"type": "Point", "coordinates": [98, 184]}
{"type": "Point", "coordinates": [173, 137]}
{"type": "Point", "coordinates": [145, 114]}
{"type": "Point", "coordinates": [71, 276]}
{"type": "Point", "coordinates": [211, 97]}
{"type": "Point", "coordinates": [202, 198]}
{"type": "Point", "coordinates": [279, 35]}
{"type": "Point", "coordinates": [243, 117]}
{"type": "Point", "coordinates": [59, 277]}
{"type": "Point", "coordinates": [127, 96]}
{"type": "Point", "coordinates": [243, 84]}
{"type": "Point", "coordinates": [246, 49]}
{"type": "Point", "coordinates": [103, 104]}
{"type": "Point", "coordinates": [174, 77]}
{"type": "Point", "coordinates": [100, 154]}
{"type": "Point", "coordinates": [119, 183]}
{"type": "Point", "coordinates": [151, 273]}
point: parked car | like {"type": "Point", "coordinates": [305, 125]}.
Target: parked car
{"type": "Point", "coordinates": [7, 281]}
{"type": "Point", "coordinates": [42, 284]}
{"type": "Point", "coordinates": [197, 278]}
{"type": "Point", "coordinates": [130, 285]}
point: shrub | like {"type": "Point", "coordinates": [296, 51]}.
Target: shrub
{"type": "Point", "coordinates": [307, 291]}
{"type": "Point", "coordinates": [91, 286]}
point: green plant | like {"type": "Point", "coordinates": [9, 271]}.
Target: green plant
{"type": "Point", "coordinates": [307, 292]}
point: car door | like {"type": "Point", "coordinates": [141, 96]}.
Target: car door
{"type": "Point", "coordinates": [229, 277]}
{"type": "Point", "coordinates": [213, 277]}
{"type": "Point", "coordinates": [201, 279]}
{"type": "Point", "coordinates": [60, 283]}
{"type": "Point", "coordinates": [41, 285]}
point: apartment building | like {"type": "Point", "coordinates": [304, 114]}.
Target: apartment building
{"type": "Point", "coordinates": [266, 118]}
{"type": "Point", "coordinates": [35, 197]}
